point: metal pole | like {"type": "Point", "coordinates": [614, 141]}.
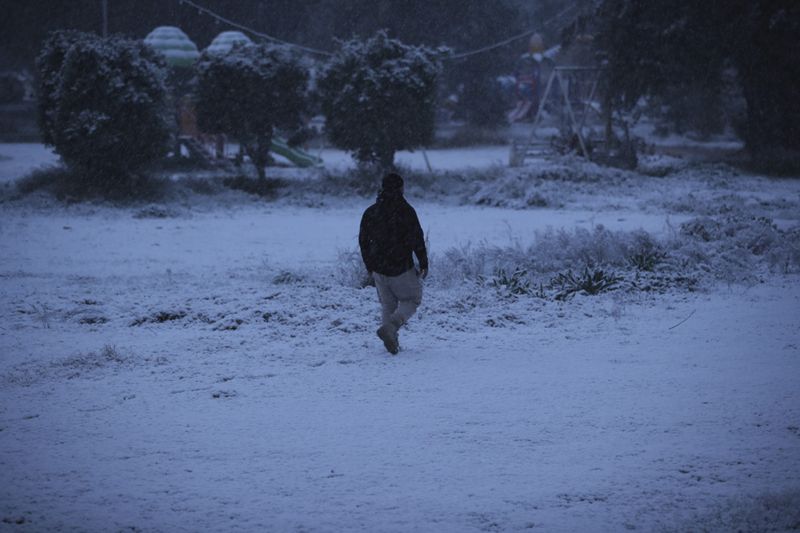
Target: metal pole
{"type": "Point", "coordinates": [105, 18]}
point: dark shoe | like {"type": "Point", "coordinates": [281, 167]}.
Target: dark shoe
{"type": "Point", "coordinates": [388, 334]}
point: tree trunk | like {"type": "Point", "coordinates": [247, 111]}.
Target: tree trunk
{"type": "Point", "coordinates": [386, 160]}
{"type": "Point", "coordinates": [261, 170]}
{"type": "Point", "coordinates": [607, 111]}
{"type": "Point", "coordinates": [258, 150]}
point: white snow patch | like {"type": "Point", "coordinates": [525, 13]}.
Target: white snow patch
{"type": "Point", "coordinates": [206, 371]}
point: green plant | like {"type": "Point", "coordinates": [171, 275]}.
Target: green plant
{"type": "Point", "coordinates": [102, 106]}
{"type": "Point", "coordinates": [657, 48]}
{"type": "Point", "coordinates": [516, 284]}
{"type": "Point", "coordinates": [248, 92]}
{"type": "Point", "coordinates": [350, 270]}
{"type": "Point", "coordinates": [48, 64]}
{"type": "Point", "coordinates": [287, 277]}
{"type": "Point", "coordinates": [378, 97]}
{"type": "Point", "coordinates": [589, 282]}
{"type": "Point", "coordinates": [647, 258]}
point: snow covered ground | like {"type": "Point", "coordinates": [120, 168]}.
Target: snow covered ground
{"type": "Point", "coordinates": [201, 366]}
{"type": "Point", "coordinates": [18, 158]}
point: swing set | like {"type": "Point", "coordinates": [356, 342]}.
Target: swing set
{"type": "Point", "coordinates": [571, 108]}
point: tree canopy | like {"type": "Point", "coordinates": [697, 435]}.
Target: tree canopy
{"type": "Point", "coordinates": [378, 96]}
{"type": "Point", "coordinates": [653, 47]}
{"type": "Point", "coordinates": [249, 91]}
{"type": "Point", "coordinates": [102, 105]}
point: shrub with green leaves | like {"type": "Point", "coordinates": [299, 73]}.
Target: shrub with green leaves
{"type": "Point", "coordinates": [589, 282]}
{"type": "Point", "coordinates": [248, 92]}
{"type": "Point", "coordinates": [378, 96]}
{"type": "Point", "coordinates": [48, 65]}
{"type": "Point", "coordinates": [515, 284]}
{"type": "Point", "coordinates": [646, 254]}
{"type": "Point", "coordinates": [102, 105]}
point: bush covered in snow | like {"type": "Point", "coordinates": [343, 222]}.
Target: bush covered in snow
{"type": "Point", "coordinates": [378, 97]}
{"type": "Point", "coordinates": [248, 92]}
{"type": "Point", "coordinates": [553, 251]}
{"type": "Point", "coordinates": [48, 63]}
{"type": "Point", "coordinates": [350, 270]}
{"type": "Point", "coordinates": [731, 249]}
{"type": "Point", "coordinates": [737, 241]}
{"type": "Point", "coordinates": [102, 106]}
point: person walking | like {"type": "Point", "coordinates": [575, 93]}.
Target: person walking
{"type": "Point", "coordinates": [390, 232]}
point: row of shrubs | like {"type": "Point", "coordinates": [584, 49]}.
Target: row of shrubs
{"type": "Point", "coordinates": [561, 263]}
{"type": "Point", "coordinates": [107, 105]}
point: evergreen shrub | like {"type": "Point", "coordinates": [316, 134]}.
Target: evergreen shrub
{"type": "Point", "coordinates": [102, 107]}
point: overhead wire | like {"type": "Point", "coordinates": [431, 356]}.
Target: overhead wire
{"type": "Point", "coordinates": [252, 31]}
{"type": "Point", "coordinates": [515, 37]}
{"type": "Point", "coordinates": [317, 51]}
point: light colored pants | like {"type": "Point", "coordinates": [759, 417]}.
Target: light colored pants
{"type": "Point", "coordinates": [399, 296]}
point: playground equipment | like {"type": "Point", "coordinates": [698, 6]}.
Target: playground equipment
{"type": "Point", "coordinates": [528, 71]}
{"type": "Point", "coordinates": [570, 117]}
{"type": "Point", "coordinates": [209, 150]}
{"type": "Point", "coordinates": [295, 155]}
{"type": "Point", "coordinates": [223, 42]}
{"type": "Point", "coordinates": [572, 111]}
{"type": "Point", "coordinates": [197, 150]}
{"type": "Point", "coordinates": [175, 45]}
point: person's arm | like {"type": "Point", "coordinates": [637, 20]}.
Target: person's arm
{"type": "Point", "coordinates": [365, 244]}
{"type": "Point", "coordinates": [417, 242]}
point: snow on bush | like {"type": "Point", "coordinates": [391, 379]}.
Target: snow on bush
{"type": "Point", "coordinates": [553, 251]}
{"type": "Point", "coordinates": [733, 247]}
{"type": "Point", "coordinates": [102, 105]}
{"type": "Point", "coordinates": [48, 64]}
{"type": "Point", "coordinates": [249, 91]}
{"type": "Point", "coordinates": [542, 185]}
{"type": "Point", "coordinates": [350, 270]}
{"type": "Point", "coordinates": [591, 261]}
{"type": "Point", "coordinates": [740, 241]}
{"type": "Point", "coordinates": [378, 97]}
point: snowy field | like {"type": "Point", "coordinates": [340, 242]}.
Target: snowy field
{"type": "Point", "coordinates": [16, 159]}
{"type": "Point", "coordinates": [203, 363]}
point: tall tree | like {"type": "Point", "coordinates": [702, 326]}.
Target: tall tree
{"type": "Point", "coordinates": [459, 24]}
{"type": "Point", "coordinates": [652, 47]}
{"type": "Point", "coordinates": [103, 106]}
{"type": "Point", "coordinates": [248, 92]}
{"type": "Point", "coordinates": [378, 96]}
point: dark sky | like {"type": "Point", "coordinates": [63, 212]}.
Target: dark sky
{"type": "Point", "coordinates": [461, 23]}
{"type": "Point", "coordinates": [29, 21]}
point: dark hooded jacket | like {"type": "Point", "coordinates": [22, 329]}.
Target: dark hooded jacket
{"type": "Point", "coordinates": [389, 233]}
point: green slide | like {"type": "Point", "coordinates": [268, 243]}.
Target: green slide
{"type": "Point", "coordinates": [296, 156]}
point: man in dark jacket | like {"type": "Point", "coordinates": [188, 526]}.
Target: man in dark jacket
{"type": "Point", "coordinates": [389, 233]}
